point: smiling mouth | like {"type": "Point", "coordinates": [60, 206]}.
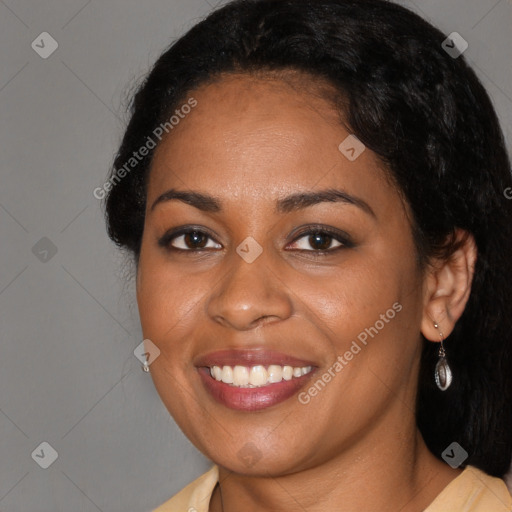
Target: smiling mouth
{"type": "Point", "coordinates": [254, 379]}
{"type": "Point", "coordinates": [257, 376]}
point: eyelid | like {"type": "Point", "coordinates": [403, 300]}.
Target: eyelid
{"type": "Point", "coordinates": [332, 238]}
{"type": "Point", "coordinates": [208, 237]}
{"type": "Point", "coordinates": [174, 233]}
{"type": "Point", "coordinates": [339, 235]}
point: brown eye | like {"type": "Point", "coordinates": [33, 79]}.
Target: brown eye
{"type": "Point", "coordinates": [188, 240]}
{"type": "Point", "coordinates": [320, 241]}
{"type": "Point", "coordinates": [195, 240]}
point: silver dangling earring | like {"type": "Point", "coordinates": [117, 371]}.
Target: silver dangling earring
{"type": "Point", "coordinates": [443, 372]}
{"type": "Point", "coordinates": [145, 366]}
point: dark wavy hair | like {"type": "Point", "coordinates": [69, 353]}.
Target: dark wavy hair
{"type": "Point", "coordinates": [427, 117]}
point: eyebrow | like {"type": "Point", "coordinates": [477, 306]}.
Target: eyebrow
{"type": "Point", "coordinates": [293, 202]}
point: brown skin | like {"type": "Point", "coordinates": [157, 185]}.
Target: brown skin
{"type": "Point", "coordinates": [356, 445]}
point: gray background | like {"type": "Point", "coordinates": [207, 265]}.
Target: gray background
{"type": "Point", "coordinates": [69, 324]}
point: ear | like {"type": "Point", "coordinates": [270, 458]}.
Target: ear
{"type": "Point", "coordinates": [447, 286]}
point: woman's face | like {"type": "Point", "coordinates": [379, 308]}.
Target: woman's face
{"type": "Point", "coordinates": [279, 273]}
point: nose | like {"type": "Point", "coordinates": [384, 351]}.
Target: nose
{"type": "Point", "coordinates": [249, 295]}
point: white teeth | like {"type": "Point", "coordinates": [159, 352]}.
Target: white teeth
{"type": "Point", "coordinates": [227, 375]}
{"type": "Point", "coordinates": [287, 372]}
{"type": "Point", "coordinates": [256, 376]}
{"type": "Point", "coordinates": [216, 373]}
{"type": "Point", "coordinates": [240, 376]}
{"type": "Point", "coordinates": [275, 373]}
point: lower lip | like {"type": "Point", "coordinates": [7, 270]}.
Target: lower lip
{"type": "Point", "coordinates": [252, 399]}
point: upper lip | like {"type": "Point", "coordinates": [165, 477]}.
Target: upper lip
{"type": "Point", "coordinates": [249, 357]}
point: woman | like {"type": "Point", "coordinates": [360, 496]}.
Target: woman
{"type": "Point", "coordinates": [314, 197]}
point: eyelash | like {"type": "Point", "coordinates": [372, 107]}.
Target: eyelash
{"type": "Point", "coordinates": [336, 235]}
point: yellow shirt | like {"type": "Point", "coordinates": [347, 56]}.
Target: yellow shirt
{"type": "Point", "coordinates": [471, 491]}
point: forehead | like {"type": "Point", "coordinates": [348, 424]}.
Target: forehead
{"type": "Point", "coordinates": [260, 137]}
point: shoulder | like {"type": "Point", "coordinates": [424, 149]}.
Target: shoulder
{"type": "Point", "coordinates": [195, 497]}
{"type": "Point", "coordinates": [473, 491]}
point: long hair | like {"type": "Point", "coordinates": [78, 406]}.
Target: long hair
{"type": "Point", "coordinates": [427, 117]}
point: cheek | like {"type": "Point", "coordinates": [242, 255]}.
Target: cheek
{"type": "Point", "coordinates": [369, 311]}
{"type": "Point", "coordinates": [167, 303]}
{"type": "Point", "coordinates": [355, 295]}
{"type": "Point", "coordinates": [166, 299]}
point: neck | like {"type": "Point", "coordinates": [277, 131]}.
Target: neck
{"type": "Point", "coordinates": [401, 475]}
